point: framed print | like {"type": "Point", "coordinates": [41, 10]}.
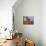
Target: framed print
{"type": "Point", "coordinates": [28, 20]}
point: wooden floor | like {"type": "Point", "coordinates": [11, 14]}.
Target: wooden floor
{"type": "Point", "coordinates": [9, 43]}
{"type": "Point", "coordinates": [16, 41]}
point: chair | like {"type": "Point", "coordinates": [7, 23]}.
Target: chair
{"type": "Point", "coordinates": [18, 37]}
{"type": "Point", "coordinates": [29, 43]}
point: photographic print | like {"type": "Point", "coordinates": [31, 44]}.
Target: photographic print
{"type": "Point", "coordinates": [28, 19]}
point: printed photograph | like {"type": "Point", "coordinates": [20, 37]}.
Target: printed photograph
{"type": "Point", "coordinates": [28, 19]}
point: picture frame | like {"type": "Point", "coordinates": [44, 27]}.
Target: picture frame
{"type": "Point", "coordinates": [28, 20]}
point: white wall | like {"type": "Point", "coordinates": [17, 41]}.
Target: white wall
{"type": "Point", "coordinates": [43, 22]}
{"type": "Point", "coordinates": [6, 13]}
{"type": "Point", "coordinates": [29, 8]}
{"type": "Point", "coordinates": [39, 27]}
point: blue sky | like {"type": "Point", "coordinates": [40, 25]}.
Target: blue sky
{"type": "Point", "coordinates": [31, 17]}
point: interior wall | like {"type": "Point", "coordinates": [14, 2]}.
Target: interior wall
{"type": "Point", "coordinates": [43, 22]}
{"type": "Point", "coordinates": [29, 8]}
